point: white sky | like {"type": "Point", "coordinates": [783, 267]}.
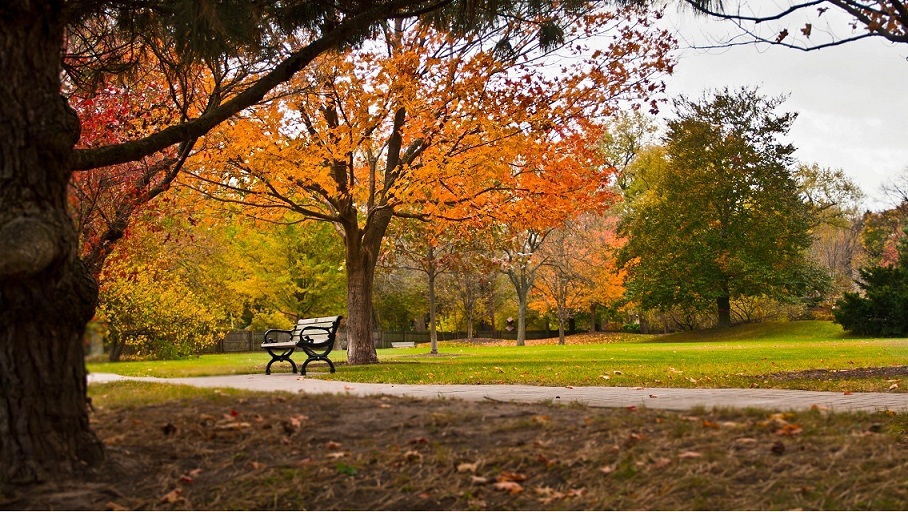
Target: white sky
{"type": "Point", "coordinates": [852, 99]}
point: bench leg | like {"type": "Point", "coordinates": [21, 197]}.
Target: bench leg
{"type": "Point", "coordinates": [317, 358]}
{"type": "Point", "coordinates": [277, 358]}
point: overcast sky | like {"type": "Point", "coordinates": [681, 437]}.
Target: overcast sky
{"type": "Point", "coordinates": [852, 100]}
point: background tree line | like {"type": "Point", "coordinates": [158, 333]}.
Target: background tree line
{"type": "Point", "coordinates": [590, 270]}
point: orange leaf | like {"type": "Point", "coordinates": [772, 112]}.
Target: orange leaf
{"type": "Point", "coordinates": [508, 476]}
{"type": "Point", "coordinates": [509, 487]}
{"type": "Point", "coordinates": [172, 496]}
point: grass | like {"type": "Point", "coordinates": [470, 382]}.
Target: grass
{"type": "Point", "coordinates": [753, 355]}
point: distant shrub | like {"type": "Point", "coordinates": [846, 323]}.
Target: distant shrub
{"type": "Point", "coordinates": [881, 309]}
{"type": "Point", "coordinates": [632, 328]}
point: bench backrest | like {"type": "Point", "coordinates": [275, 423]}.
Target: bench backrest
{"type": "Point", "coordinates": [316, 331]}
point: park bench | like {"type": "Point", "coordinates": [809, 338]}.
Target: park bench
{"type": "Point", "coordinates": [314, 336]}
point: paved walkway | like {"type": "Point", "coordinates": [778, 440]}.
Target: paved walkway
{"type": "Point", "coordinates": [653, 398]}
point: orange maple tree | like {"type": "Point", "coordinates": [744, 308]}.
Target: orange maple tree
{"type": "Point", "coordinates": [420, 124]}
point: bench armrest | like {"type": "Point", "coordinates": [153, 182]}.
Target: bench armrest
{"type": "Point", "coordinates": [275, 331]}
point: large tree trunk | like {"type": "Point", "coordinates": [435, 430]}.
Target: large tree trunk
{"type": "Point", "coordinates": [46, 295]}
{"type": "Point", "coordinates": [362, 248]}
{"type": "Point", "coordinates": [360, 277]}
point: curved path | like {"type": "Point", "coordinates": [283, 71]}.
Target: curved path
{"type": "Point", "coordinates": [653, 398]}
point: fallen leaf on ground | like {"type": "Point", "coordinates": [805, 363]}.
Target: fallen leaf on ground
{"type": "Point", "coordinates": [662, 462]}
{"type": "Point", "coordinates": [479, 480]}
{"type": "Point", "coordinates": [509, 476]}
{"type": "Point", "coordinates": [336, 455]}
{"type": "Point", "coordinates": [547, 495]}
{"type": "Point", "coordinates": [234, 425]}
{"type": "Point", "coordinates": [745, 442]}
{"type": "Point", "coordinates": [690, 455]}
{"type": "Point", "coordinates": [172, 496]}
{"type": "Point", "coordinates": [467, 467]}
{"type": "Point", "coordinates": [332, 445]}
{"type": "Point", "coordinates": [791, 429]}
{"type": "Point", "coordinates": [412, 456]}
{"type": "Point", "coordinates": [545, 460]}
{"type": "Point", "coordinates": [509, 487]}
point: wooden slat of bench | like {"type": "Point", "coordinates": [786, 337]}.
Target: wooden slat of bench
{"type": "Point", "coordinates": [280, 344]}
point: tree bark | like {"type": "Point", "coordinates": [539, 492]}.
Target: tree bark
{"type": "Point", "coordinates": [521, 316]}
{"type": "Point", "coordinates": [360, 279]}
{"type": "Point", "coordinates": [562, 314]}
{"type": "Point", "coordinates": [723, 305]}
{"type": "Point", "coordinates": [362, 248]}
{"type": "Point", "coordinates": [433, 320]}
{"type": "Point", "coordinates": [46, 294]}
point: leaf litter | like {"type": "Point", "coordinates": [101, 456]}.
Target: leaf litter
{"type": "Point", "coordinates": [348, 453]}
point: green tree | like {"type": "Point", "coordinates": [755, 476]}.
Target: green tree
{"type": "Point", "coordinates": [295, 269]}
{"type": "Point", "coordinates": [881, 309]}
{"type": "Point", "coordinates": [723, 218]}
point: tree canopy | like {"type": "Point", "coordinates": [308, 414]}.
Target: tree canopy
{"type": "Point", "coordinates": [721, 217]}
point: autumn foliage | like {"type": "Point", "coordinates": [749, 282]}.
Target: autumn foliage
{"type": "Point", "coordinates": [418, 123]}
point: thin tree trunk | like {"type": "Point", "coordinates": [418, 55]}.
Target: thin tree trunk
{"type": "Point", "coordinates": [723, 305]}
{"type": "Point", "coordinates": [521, 317]}
{"type": "Point", "coordinates": [46, 295]}
{"type": "Point", "coordinates": [433, 325]}
{"type": "Point", "coordinates": [562, 314]}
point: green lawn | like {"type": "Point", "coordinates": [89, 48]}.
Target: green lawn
{"type": "Point", "coordinates": [744, 356]}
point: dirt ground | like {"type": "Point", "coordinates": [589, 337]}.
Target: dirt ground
{"type": "Point", "coordinates": [377, 453]}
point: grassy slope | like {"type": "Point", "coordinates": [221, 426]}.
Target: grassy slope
{"type": "Point", "coordinates": [744, 356]}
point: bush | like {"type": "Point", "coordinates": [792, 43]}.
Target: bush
{"type": "Point", "coordinates": [264, 320]}
{"type": "Point", "coordinates": [632, 328]}
{"type": "Point", "coordinates": [156, 322]}
{"type": "Point", "coordinates": [881, 310]}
